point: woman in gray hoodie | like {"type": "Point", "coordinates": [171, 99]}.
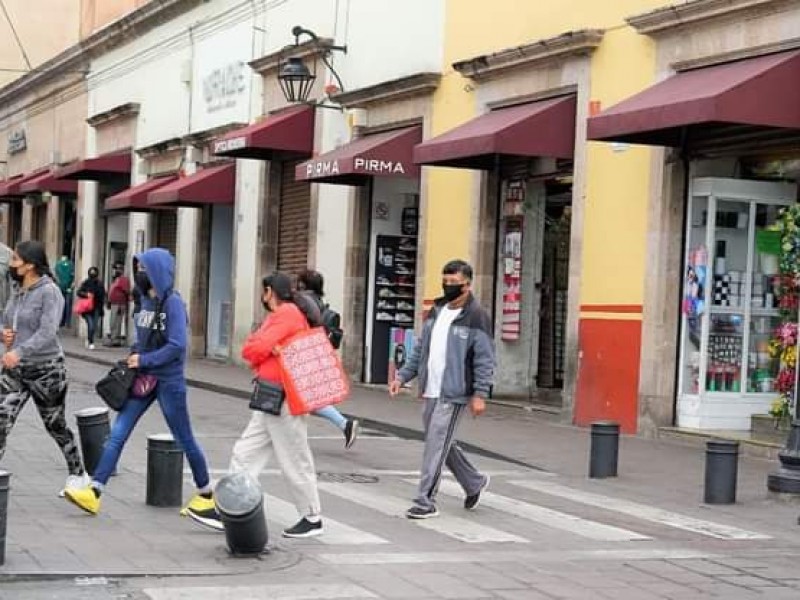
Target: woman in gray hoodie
{"type": "Point", "coordinates": [33, 361]}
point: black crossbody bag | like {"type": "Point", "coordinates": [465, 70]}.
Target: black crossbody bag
{"type": "Point", "coordinates": [267, 397]}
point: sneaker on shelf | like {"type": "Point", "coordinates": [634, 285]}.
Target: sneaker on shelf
{"type": "Point", "coordinates": [471, 502]}
{"type": "Point", "coordinates": [350, 432]}
{"type": "Point", "coordinates": [384, 316]}
{"type": "Point", "coordinates": [75, 482]}
{"type": "Point", "coordinates": [385, 305]}
{"type": "Point", "coordinates": [418, 512]}
{"type": "Point", "coordinates": [85, 498]}
{"type": "Point", "coordinates": [383, 280]}
{"type": "Point", "coordinates": [403, 318]}
{"type": "Point", "coordinates": [403, 305]}
{"type": "Point", "coordinates": [407, 247]}
{"type": "Point", "coordinates": [404, 280]}
{"type": "Point", "coordinates": [403, 257]}
{"type": "Point", "coordinates": [401, 270]}
{"type": "Point", "coordinates": [386, 293]}
{"type": "Point", "coordinates": [203, 511]}
{"type": "Point", "coordinates": [304, 528]}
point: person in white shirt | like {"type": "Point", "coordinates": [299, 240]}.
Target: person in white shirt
{"type": "Point", "coordinates": [454, 362]}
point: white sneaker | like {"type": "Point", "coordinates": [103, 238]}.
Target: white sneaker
{"type": "Point", "coordinates": [75, 482]}
{"type": "Point", "coordinates": [91, 346]}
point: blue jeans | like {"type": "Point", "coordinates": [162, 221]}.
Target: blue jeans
{"type": "Point", "coordinates": [332, 414]}
{"type": "Point", "coordinates": [91, 324]}
{"type": "Point", "coordinates": [66, 316]}
{"type": "Point", "coordinates": [172, 400]}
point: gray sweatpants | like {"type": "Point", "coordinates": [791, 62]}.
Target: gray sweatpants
{"type": "Point", "coordinates": [440, 420]}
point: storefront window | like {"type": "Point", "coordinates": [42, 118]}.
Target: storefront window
{"type": "Point", "coordinates": [729, 304]}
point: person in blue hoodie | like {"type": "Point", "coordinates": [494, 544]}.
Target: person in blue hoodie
{"type": "Point", "coordinates": [160, 351]}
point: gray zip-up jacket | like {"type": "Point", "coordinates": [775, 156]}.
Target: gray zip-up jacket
{"type": "Point", "coordinates": [470, 358]}
{"type": "Point", "coordinates": [35, 314]}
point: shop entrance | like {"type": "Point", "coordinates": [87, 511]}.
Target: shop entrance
{"type": "Point", "coordinates": [220, 295]}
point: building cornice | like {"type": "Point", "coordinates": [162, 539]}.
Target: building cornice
{"type": "Point", "coordinates": [271, 62]}
{"type": "Point", "coordinates": [534, 54]}
{"type": "Point", "coordinates": [131, 109]}
{"type": "Point", "coordinates": [76, 58]}
{"type": "Point", "coordinates": [201, 138]}
{"type": "Point", "coordinates": [691, 12]}
{"type": "Point", "coordinates": [418, 84]}
{"type": "Point", "coordinates": [160, 148]}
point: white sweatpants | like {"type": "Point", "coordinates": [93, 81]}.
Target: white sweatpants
{"type": "Point", "coordinates": [287, 437]}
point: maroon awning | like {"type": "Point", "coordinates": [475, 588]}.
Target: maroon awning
{"type": "Point", "coordinates": [11, 187]}
{"type": "Point", "coordinates": [134, 199]}
{"type": "Point", "coordinates": [288, 134]}
{"type": "Point", "coordinates": [47, 182]}
{"type": "Point", "coordinates": [106, 168]}
{"type": "Point", "coordinates": [760, 92]}
{"type": "Point", "coordinates": [212, 185]}
{"type": "Point", "coordinates": [543, 128]}
{"type": "Point", "coordinates": [388, 154]}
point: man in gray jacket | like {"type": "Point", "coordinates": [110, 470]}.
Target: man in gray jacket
{"type": "Point", "coordinates": [454, 362]}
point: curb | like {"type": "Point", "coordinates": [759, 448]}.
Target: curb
{"type": "Point", "coordinates": [391, 428]}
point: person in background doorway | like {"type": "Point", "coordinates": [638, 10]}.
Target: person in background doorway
{"type": "Point", "coordinates": [65, 278]}
{"type": "Point", "coordinates": [454, 362]}
{"type": "Point", "coordinates": [92, 285]}
{"type": "Point", "coordinates": [33, 363]}
{"type": "Point", "coordinates": [311, 285]}
{"type": "Point", "coordinates": [160, 352]}
{"type": "Point", "coordinates": [118, 299]}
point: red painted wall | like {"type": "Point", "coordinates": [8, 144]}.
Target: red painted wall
{"type": "Point", "coordinates": [608, 372]}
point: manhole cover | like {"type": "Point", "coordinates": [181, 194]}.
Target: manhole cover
{"type": "Point", "coordinates": [347, 477]}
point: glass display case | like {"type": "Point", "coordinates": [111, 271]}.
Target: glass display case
{"type": "Point", "coordinates": [729, 305]}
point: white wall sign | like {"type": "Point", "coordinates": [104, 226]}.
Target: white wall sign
{"type": "Point", "coordinates": [17, 142]}
{"type": "Point", "coordinates": [224, 86]}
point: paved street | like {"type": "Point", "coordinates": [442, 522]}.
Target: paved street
{"type": "Point", "coordinates": [543, 531]}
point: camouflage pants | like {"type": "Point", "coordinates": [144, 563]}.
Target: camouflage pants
{"type": "Point", "coordinates": [46, 383]}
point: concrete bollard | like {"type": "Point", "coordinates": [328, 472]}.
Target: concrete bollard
{"type": "Point", "coordinates": [5, 485]}
{"type": "Point", "coordinates": [240, 503]}
{"type": "Point", "coordinates": [164, 471]}
{"type": "Point", "coordinates": [722, 469]}
{"type": "Point", "coordinates": [93, 430]}
{"type": "Point", "coordinates": [604, 452]}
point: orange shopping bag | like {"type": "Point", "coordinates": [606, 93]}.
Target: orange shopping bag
{"type": "Point", "coordinates": [313, 376]}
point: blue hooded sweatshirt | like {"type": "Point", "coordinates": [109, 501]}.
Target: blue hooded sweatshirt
{"type": "Point", "coordinates": [167, 362]}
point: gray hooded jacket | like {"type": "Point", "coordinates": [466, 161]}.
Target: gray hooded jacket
{"type": "Point", "coordinates": [35, 314]}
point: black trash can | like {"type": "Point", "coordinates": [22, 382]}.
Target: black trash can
{"type": "Point", "coordinates": [722, 469]}
{"type": "Point", "coordinates": [5, 478]}
{"type": "Point", "coordinates": [164, 471]}
{"type": "Point", "coordinates": [240, 504]}
{"type": "Point", "coordinates": [604, 451]}
{"type": "Point", "coordinates": [93, 429]}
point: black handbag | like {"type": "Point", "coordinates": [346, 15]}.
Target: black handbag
{"type": "Point", "coordinates": [115, 387]}
{"type": "Point", "coordinates": [267, 397]}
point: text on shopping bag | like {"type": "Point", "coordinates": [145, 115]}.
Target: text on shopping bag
{"type": "Point", "coordinates": [313, 376]}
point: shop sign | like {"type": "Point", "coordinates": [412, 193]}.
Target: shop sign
{"type": "Point", "coordinates": [223, 86]}
{"type": "Point", "coordinates": [17, 142]}
{"type": "Point", "coordinates": [229, 145]}
{"type": "Point", "coordinates": [326, 168]}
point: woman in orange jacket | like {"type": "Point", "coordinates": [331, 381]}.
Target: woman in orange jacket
{"type": "Point", "coordinates": [284, 435]}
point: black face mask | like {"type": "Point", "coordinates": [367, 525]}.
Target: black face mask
{"type": "Point", "coordinates": [143, 282]}
{"type": "Point", "coordinates": [14, 274]}
{"type": "Point", "coordinates": [452, 291]}
{"type": "Point", "coordinates": [93, 275]}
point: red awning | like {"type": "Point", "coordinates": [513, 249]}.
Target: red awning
{"type": "Point", "coordinates": [47, 182]}
{"type": "Point", "coordinates": [543, 128]}
{"type": "Point", "coordinates": [11, 187]}
{"type": "Point", "coordinates": [134, 199]}
{"type": "Point", "coordinates": [760, 92]}
{"type": "Point", "coordinates": [107, 167]}
{"type": "Point", "coordinates": [283, 135]}
{"type": "Point", "coordinates": [212, 185]}
{"type": "Point", "coordinates": [388, 154]}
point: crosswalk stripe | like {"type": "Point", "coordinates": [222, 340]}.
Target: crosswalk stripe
{"type": "Point", "coordinates": [463, 530]}
{"type": "Point", "coordinates": [294, 591]}
{"type": "Point", "coordinates": [641, 511]}
{"type": "Point", "coordinates": [546, 516]}
{"type": "Point", "coordinates": [336, 533]}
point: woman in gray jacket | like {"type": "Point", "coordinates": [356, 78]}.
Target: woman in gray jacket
{"type": "Point", "coordinates": [33, 361]}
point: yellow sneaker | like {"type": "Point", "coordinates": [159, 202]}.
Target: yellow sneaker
{"type": "Point", "coordinates": [197, 504]}
{"type": "Point", "coordinates": [203, 511]}
{"type": "Point", "coordinates": [84, 498]}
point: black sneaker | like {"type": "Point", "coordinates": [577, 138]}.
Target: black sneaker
{"type": "Point", "coordinates": [350, 432]}
{"type": "Point", "coordinates": [471, 502]}
{"type": "Point", "coordinates": [417, 512]}
{"type": "Point", "coordinates": [303, 528]}
{"type": "Point", "coordinates": [208, 517]}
